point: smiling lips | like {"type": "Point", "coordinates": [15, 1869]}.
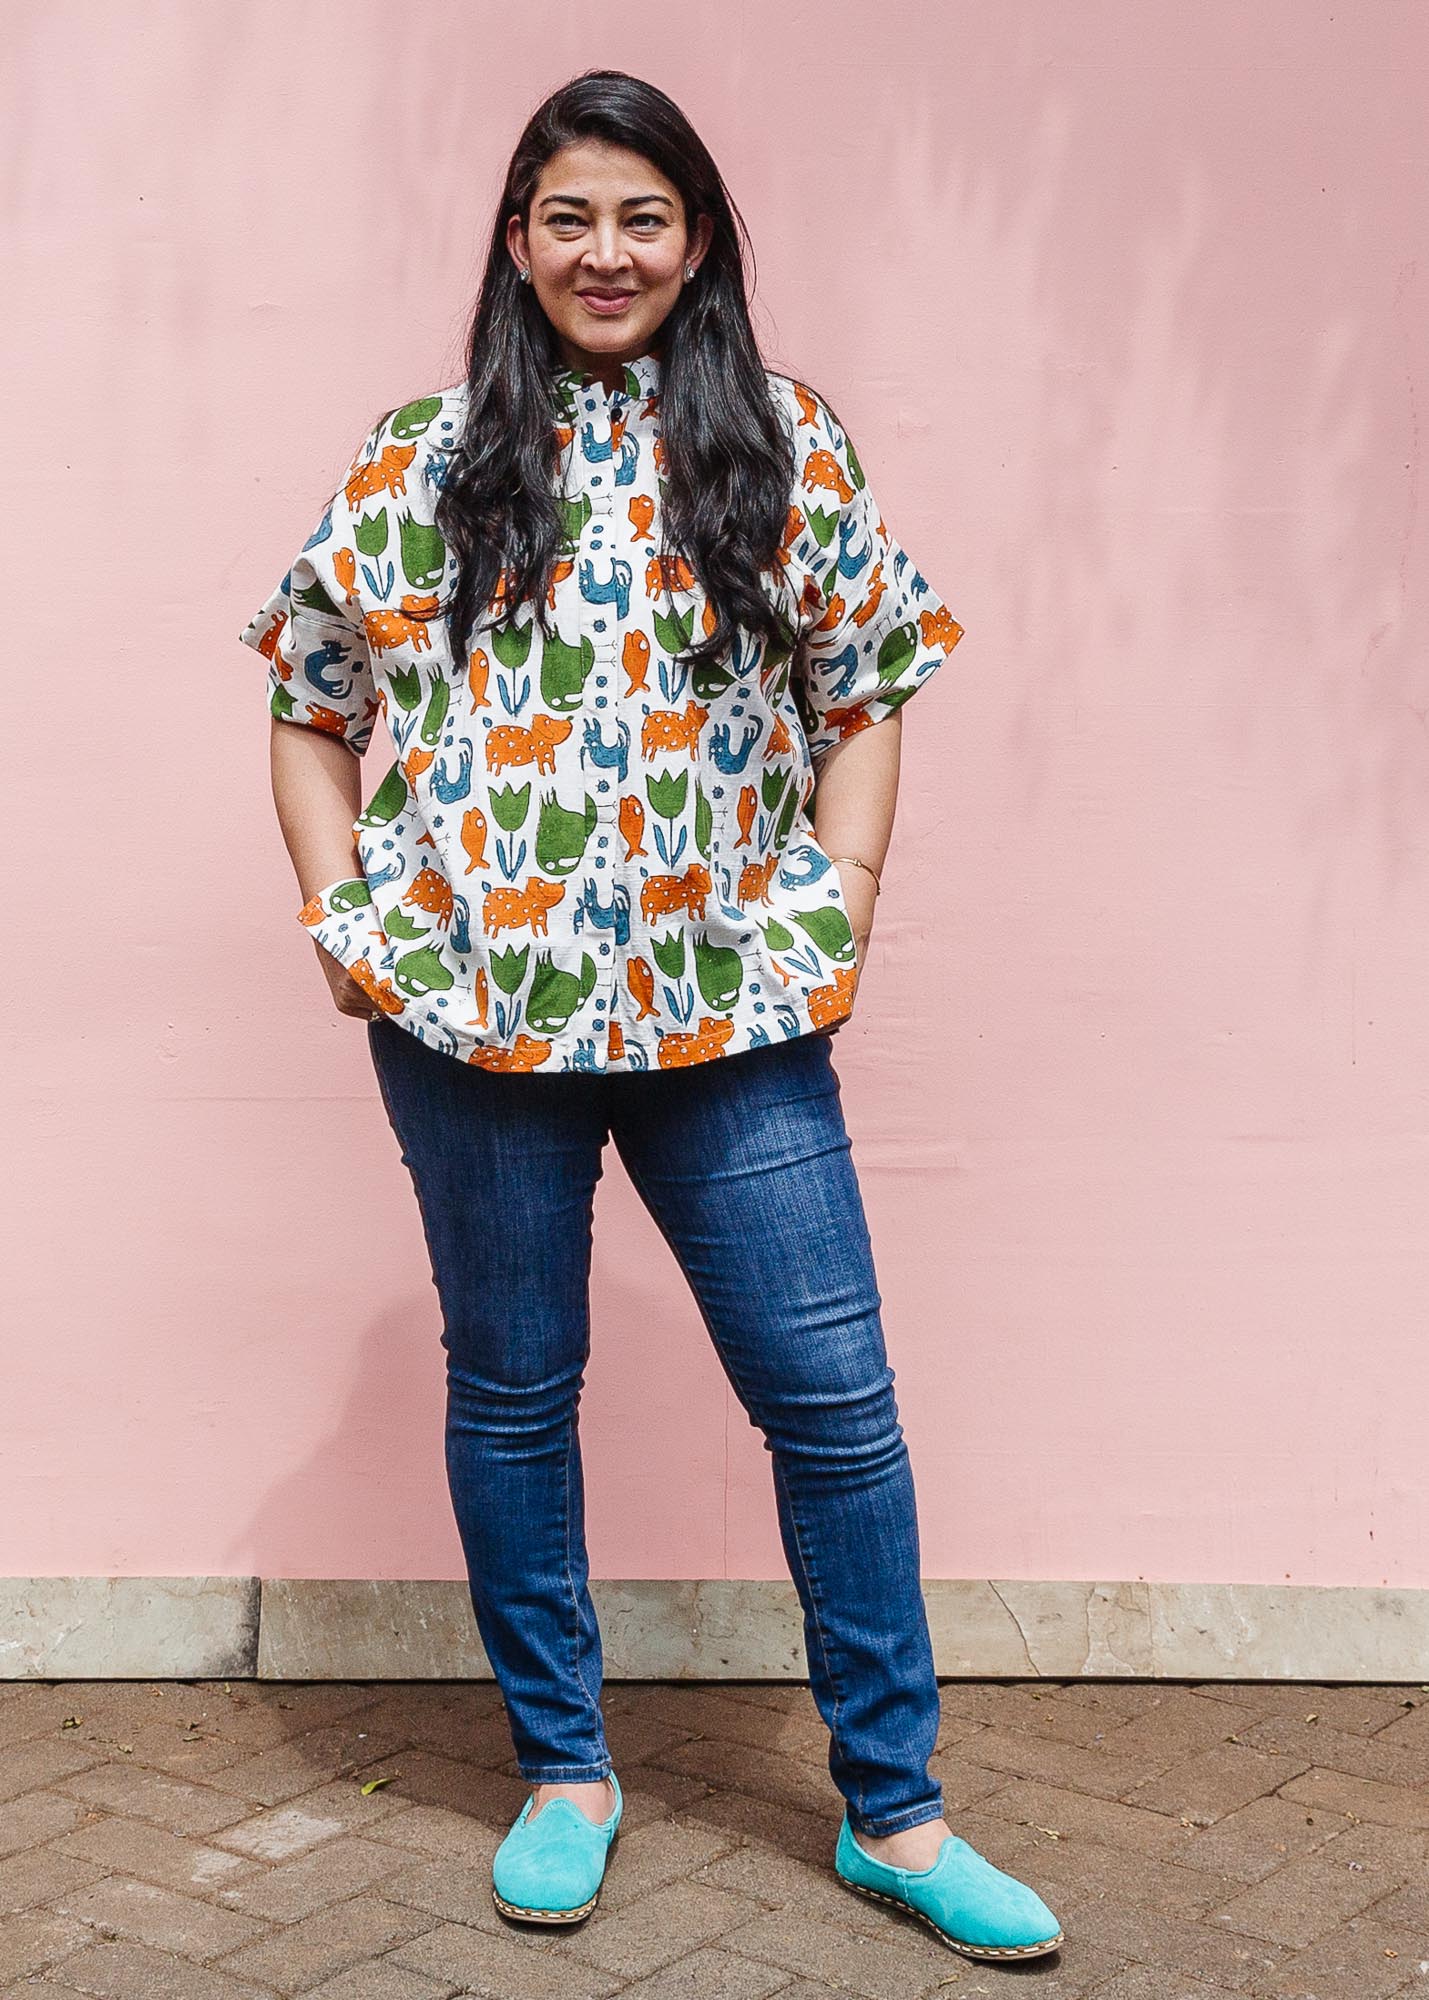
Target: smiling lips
{"type": "Point", "coordinates": [605, 302]}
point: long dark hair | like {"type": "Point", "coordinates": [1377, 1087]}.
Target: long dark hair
{"type": "Point", "coordinates": [729, 462]}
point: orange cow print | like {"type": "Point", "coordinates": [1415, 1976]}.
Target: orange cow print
{"type": "Point", "coordinates": [407, 627]}
{"type": "Point", "coordinates": [430, 891]}
{"type": "Point", "coordinates": [662, 895]}
{"type": "Point", "coordinates": [828, 1004]}
{"type": "Point", "coordinates": [679, 1051]}
{"type": "Point", "coordinates": [823, 473]}
{"type": "Point", "coordinates": [667, 573]}
{"type": "Point", "coordinates": [386, 474]}
{"type": "Point", "coordinates": [754, 880]}
{"type": "Point", "coordinates": [673, 729]}
{"type": "Point", "coordinates": [526, 1054]}
{"type": "Point", "coordinates": [940, 628]}
{"type": "Point", "coordinates": [509, 743]}
{"type": "Point", "coordinates": [848, 721]}
{"type": "Point", "coordinates": [520, 909]}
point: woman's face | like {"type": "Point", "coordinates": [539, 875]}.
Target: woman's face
{"type": "Point", "coordinates": [607, 250]}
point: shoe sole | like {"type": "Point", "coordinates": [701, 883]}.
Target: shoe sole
{"type": "Point", "coordinates": [572, 1916]}
{"type": "Point", "coordinates": [992, 1952]}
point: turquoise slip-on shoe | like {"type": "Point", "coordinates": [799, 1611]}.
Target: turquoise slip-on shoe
{"type": "Point", "coordinates": [548, 1869]}
{"type": "Point", "coordinates": [972, 1906]}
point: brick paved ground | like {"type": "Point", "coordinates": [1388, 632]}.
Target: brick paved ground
{"type": "Point", "coordinates": [174, 1841]}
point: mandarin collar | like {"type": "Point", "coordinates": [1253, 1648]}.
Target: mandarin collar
{"type": "Point", "coordinates": [644, 369]}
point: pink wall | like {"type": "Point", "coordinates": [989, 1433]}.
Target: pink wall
{"type": "Point", "coordinates": [1125, 308]}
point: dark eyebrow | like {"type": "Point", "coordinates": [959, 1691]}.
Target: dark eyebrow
{"type": "Point", "coordinates": [583, 201]}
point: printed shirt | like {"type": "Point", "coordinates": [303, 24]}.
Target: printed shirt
{"type": "Point", "coordinates": [587, 856]}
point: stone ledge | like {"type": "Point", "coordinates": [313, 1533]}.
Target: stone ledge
{"type": "Point", "coordinates": [196, 1628]}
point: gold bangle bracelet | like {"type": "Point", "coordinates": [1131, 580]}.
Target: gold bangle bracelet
{"type": "Point", "coordinates": [854, 860]}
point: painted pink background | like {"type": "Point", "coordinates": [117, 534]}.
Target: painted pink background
{"type": "Point", "coordinates": [1125, 310]}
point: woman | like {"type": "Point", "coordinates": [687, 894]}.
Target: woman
{"type": "Point", "coordinates": [642, 639]}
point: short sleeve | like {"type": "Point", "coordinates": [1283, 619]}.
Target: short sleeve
{"type": "Point", "coordinates": [878, 631]}
{"type": "Point", "coordinates": [311, 631]}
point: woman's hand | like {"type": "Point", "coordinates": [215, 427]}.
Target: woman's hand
{"type": "Point", "coordinates": [860, 892]}
{"type": "Point", "coordinates": [348, 997]}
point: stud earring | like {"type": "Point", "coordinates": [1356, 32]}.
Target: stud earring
{"type": "Point", "coordinates": [689, 272]}
{"type": "Point", "coordinates": [525, 275]}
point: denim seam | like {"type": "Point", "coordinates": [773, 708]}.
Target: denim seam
{"type": "Point", "coordinates": [834, 1683]}
{"type": "Point", "coordinates": [646, 1196]}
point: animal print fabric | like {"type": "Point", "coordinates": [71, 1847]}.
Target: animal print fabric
{"type": "Point", "coordinates": [587, 856]}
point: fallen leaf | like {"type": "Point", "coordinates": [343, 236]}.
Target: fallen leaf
{"type": "Point", "coordinates": [70, 1722]}
{"type": "Point", "coordinates": [376, 1784]}
{"type": "Point", "coordinates": [1313, 1716]}
{"type": "Point", "coordinates": [1050, 1831]}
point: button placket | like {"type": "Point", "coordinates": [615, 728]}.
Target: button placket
{"type": "Point", "coordinates": [600, 623]}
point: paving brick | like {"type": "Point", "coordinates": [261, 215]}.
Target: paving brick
{"type": "Point", "coordinates": [36, 1817]}
{"type": "Point", "coordinates": [39, 1876]}
{"type": "Point", "coordinates": [499, 1966]}
{"type": "Point", "coordinates": [783, 1781]}
{"type": "Point", "coordinates": [1366, 1960]}
{"type": "Point", "coordinates": [642, 1936]}
{"type": "Point", "coordinates": [1059, 1713]}
{"type": "Point", "coordinates": [809, 1835]}
{"type": "Point", "coordinates": [302, 1954]}
{"type": "Point", "coordinates": [648, 1857]}
{"type": "Point", "coordinates": [794, 1732]}
{"type": "Point", "coordinates": [380, 1980]}
{"type": "Point", "coordinates": [327, 1874]}
{"type": "Point", "coordinates": [838, 1956]}
{"type": "Point", "coordinates": [180, 1751]}
{"type": "Point", "coordinates": [1173, 1944]}
{"type": "Point", "coordinates": [1177, 1725]}
{"type": "Point", "coordinates": [444, 1835]}
{"type": "Point", "coordinates": [1304, 1900]}
{"type": "Point", "coordinates": [43, 1761]}
{"type": "Point", "coordinates": [1102, 1820]}
{"type": "Point", "coordinates": [710, 1974]}
{"type": "Point", "coordinates": [153, 1854]}
{"type": "Point", "coordinates": [427, 1779]}
{"type": "Point", "coordinates": [1081, 1767]}
{"type": "Point", "coordinates": [261, 1716]}
{"type": "Point", "coordinates": [1411, 1727]}
{"type": "Point", "coordinates": [29, 1944]}
{"type": "Point", "coordinates": [1261, 1837]}
{"type": "Point", "coordinates": [133, 1972]}
{"type": "Point", "coordinates": [1068, 1873]}
{"type": "Point", "coordinates": [1365, 1798]}
{"type": "Point", "coordinates": [1214, 1782]}
{"type": "Point", "coordinates": [170, 1802]}
{"type": "Point", "coordinates": [344, 1802]}
{"type": "Point", "coordinates": [289, 1769]}
{"type": "Point", "coordinates": [280, 1835]}
{"type": "Point", "coordinates": [1361, 1709]}
{"type": "Point", "coordinates": [158, 1917]}
{"type": "Point", "coordinates": [963, 1783]}
{"type": "Point", "coordinates": [1385, 1757]}
{"type": "Point", "coordinates": [1145, 1982]}
{"type": "Point", "coordinates": [451, 1892]}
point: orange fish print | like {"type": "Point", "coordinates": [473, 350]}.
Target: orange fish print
{"type": "Point", "coordinates": [477, 670]}
{"type": "Point", "coordinates": [641, 981]}
{"type": "Point", "coordinates": [473, 837]}
{"type": "Point", "coordinates": [483, 991]}
{"type": "Point", "coordinates": [632, 825]}
{"type": "Point", "coordinates": [744, 812]}
{"type": "Point", "coordinates": [642, 517]}
{"type": "Point", "coordinates": [635, 658]}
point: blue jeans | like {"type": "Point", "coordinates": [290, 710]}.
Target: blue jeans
{"type": "Point", "coordinates": [745, 1165]}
